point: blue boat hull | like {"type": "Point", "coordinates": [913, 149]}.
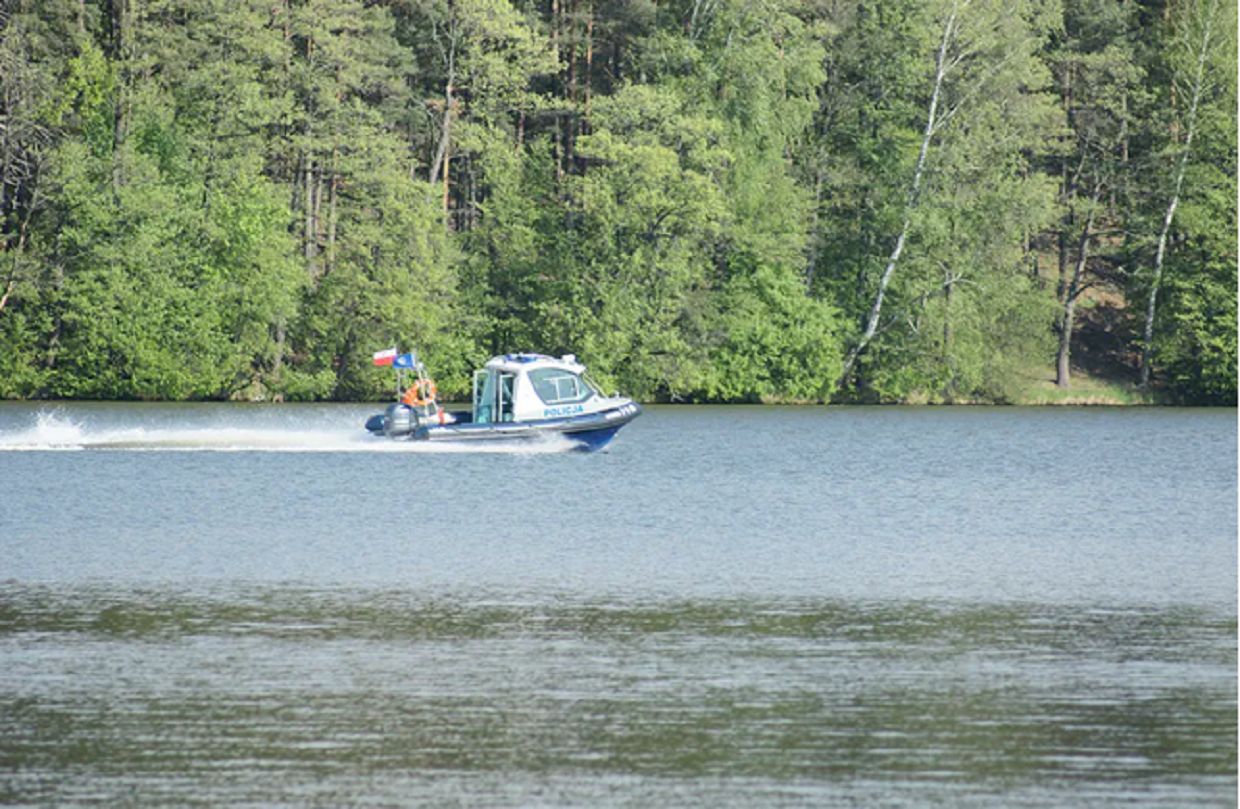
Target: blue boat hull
{"type": "Point", "coordinates": [589, 431]}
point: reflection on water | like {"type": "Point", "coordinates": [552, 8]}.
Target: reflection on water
{"type": "Point", "coordinates": [316, 695]}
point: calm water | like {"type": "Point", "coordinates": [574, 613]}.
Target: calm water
{"type": "Point", "coordinates": [224, 605]}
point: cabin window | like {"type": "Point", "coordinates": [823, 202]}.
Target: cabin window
{"type": "Point", "coordinates": [557, 386]}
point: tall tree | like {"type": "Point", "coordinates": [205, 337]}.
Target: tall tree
{"type": "Point", "coordinates": [1199, 31]}
{"type": "Point", "coordinates": [37, 40]}
{"type": "Point", "coordinates": [378, 269]}
{"type": "Point", "coordinates": [1097, 74]}
{"type": "Point", "coordinates": [216, 59]}
{"type": "Point", "coordinates": [478, 59]}
{"type": "Point", "coordinates": [933, 112]}
{"type": "Point", "coordinates": [951, 24]}
{"type": "Point", "coordinates": [1190, 351]}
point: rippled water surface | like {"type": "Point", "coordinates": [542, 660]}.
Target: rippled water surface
{"type": "Point", "coordinates": [222, 605]}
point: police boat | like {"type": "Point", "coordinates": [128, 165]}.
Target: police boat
{"type": "Point", "coordinates": [515, 397]}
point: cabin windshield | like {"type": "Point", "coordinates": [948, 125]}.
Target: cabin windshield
{"type": "Point", "coordinates": [558, 386]}
{"type": "Point", "coordinates": [593, 383]}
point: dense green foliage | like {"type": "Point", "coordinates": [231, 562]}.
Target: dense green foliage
{"type": "Point", "coordinates": [711, 200]}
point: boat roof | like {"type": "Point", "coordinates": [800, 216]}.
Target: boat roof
{"type": "Point", "coordinates": [523, 362]}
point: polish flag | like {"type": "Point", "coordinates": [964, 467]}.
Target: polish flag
{"type": "Point", "coordinates": [384, 357]}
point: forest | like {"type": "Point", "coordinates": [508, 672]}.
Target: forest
{"type": "Point", "coordinates": [704, 200]}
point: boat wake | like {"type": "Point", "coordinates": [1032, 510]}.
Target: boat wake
{"type": "Point", "coordinates": [57, 432]}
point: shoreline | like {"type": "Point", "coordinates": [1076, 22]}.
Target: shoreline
{"type": "Point", "coordinates": [1066, 402]}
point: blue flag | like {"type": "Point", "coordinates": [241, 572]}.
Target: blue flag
{"type": "Point", "coordinates": [405, 361]}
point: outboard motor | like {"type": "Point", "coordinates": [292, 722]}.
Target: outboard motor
{"type": "Point", "coordinates": [399, 420]}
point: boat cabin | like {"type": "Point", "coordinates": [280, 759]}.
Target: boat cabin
{"type": "Point", "coordinates": [531, 387]}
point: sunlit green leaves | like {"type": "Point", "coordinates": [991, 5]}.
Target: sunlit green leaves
{"type": "Point", "coordinates": [245, 198]}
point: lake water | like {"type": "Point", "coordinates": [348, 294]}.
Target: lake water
{"type": "Point", "coordinates": [220, 605]}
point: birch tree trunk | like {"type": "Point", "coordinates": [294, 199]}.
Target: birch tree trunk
{"type": "Point", "coordinates": [8, 290]}
{"type": "Point", "coordinates": [1173, 203]}
{"type": "Point", "coordinates": [871, 326]}
{"type": "Point", "coordinates": [19, 249]}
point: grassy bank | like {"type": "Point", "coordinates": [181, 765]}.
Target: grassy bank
{"type": "Point", "coordinates": [1085, 390]}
